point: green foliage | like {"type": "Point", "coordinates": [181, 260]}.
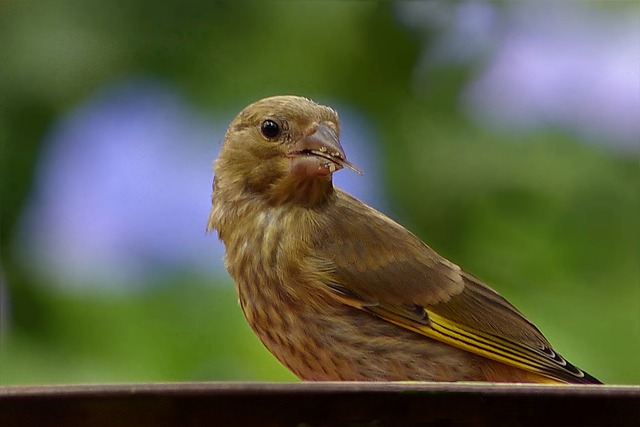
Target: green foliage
{"type": "Point", "coordinates": [550, 222]}
{"type": "Point", "coordinates": [184, 330]}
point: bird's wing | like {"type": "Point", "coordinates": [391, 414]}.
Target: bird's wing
{"type": "Point", "coordinates": [389, 272]}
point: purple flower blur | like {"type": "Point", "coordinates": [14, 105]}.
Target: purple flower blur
{"type": "Point", "coordinates": [123, 188]}
{"type": "Point", "coordinates": [565, 65]}
{"type": "Point", "coordinates": [574, 68]}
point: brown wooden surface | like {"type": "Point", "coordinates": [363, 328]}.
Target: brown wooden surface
{"type": "Point", "coordinates": [319, 404]}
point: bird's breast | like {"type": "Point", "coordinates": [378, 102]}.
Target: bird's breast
{"type": "Point", "coordinates": [266, 249]}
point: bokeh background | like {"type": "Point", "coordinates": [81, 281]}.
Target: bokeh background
{"type": "Point", "coordinates": [505, 134]}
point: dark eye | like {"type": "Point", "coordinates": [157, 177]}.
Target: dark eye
{"type": "Point", "coordinates": [270, 129]}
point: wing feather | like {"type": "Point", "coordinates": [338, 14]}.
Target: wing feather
{"type": "Point", "coordinates": [397, 277]}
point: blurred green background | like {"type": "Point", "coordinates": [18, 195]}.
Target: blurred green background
{"type": "Point", "coordinates": [505, 134]}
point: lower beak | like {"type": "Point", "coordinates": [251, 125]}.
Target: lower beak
{"type": "Point", "coordinates": [322, 149]}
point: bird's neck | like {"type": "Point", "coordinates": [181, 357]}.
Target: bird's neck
{"type": "Point", "coordinates": [309, 192]}
{"type": "Point", "coordinates": [234, 202]}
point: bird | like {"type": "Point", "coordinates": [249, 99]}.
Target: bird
{"type": "Point", "coordinates": [338, 291]}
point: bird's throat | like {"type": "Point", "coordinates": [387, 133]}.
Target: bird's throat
{"type": "Point", "coordinates": [306, 192]}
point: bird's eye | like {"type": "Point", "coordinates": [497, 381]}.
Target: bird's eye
{"type": "Point", "coordinates": [270, 129]}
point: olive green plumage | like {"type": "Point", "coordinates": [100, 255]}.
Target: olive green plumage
{"type": "Point", "coordinates": [338, 291]}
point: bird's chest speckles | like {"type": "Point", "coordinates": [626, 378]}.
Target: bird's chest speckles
{"type": "Point", "coordinates": [269, 262]}
{"type": "Point", "coordinates": [262, 248]}
{"type": "Point", "coordinates": [265, 257]}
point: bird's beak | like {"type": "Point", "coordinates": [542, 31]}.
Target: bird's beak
{"type": "Point", "coordinates": [319, 152]}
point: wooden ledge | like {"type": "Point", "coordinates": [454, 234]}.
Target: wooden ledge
{"type": "Point", "coordinates": [319, 404]}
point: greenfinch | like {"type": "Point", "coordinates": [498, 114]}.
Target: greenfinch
{"type": "Point", "coordinates": [336, 290]}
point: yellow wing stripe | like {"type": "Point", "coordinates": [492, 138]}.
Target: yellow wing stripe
{"type": "Point", "coordinates": [493, 347]}
{"type": "Point", "coordinates": [489, 346]}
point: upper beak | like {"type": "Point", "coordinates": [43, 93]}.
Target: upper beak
{"type": "Point", "coordinates": [323, 142]}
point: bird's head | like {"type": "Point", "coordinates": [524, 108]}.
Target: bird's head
{"type": "Point", "coordinates": [283, 147]}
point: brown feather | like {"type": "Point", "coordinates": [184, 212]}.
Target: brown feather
{"type": "Point", "coordinates": [338, 291]}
